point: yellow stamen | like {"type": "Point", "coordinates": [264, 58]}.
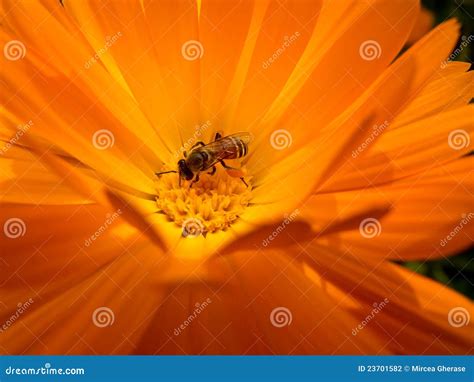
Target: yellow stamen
{"type": "Point", "coordinates": [210, 205]}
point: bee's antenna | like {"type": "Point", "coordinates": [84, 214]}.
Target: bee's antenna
{"type": "Point", "coordinates": [165, 172]}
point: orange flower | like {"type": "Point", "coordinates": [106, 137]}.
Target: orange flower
{"type": "Point", "coordinates": [358, 159]}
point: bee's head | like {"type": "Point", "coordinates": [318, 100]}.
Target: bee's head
{"type": "Point", "coordinates": [184, 171]}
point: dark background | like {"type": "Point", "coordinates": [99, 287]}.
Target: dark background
{"type": "Point", "coordinates": [457, 272]}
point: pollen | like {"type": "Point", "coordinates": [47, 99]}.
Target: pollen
{"type": "Point", "coordinates": [212, 204]}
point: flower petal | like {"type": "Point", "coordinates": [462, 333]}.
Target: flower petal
{"type": "Point", "coordinates": [416, 318]}
{"type": "Point", "coordinates": [25, 180]}
{"type": "Point", "coordinates": [447, 90]}
{"type": "Point", "coordinates": [429, 218]}
{"type": "Point", "coordinates": [47, 248]}
{"type": "Point", "coordinates": [239, 319]}
{"type": "Point", "coordinates": [409, 150]}
{"type": "Point", "coordinates": [336, 40]}
{"type": "Point", "coordinates": [109, 301]}
{"type": "Point", "coordinates": [100, 102]}
{"type": "Point", "coordinates": [152, 58]}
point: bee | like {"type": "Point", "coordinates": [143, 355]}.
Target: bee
{"type": "Point", "coordinates": [203, 156]}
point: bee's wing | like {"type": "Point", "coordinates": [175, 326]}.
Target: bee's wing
{"type": "Point", "coordinates": [218, 150]}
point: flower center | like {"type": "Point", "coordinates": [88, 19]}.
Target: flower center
{"type": "Point", "coordinates": [210, 205]}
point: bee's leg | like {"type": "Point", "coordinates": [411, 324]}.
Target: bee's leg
{"type": "Point", "coordinates": [228, 167]}
{"type": "Point", "coordinates": [218, 136]}
{"type": "Point", "coordinates": [195, 180]}
{"type": "Point", "coordinates": [213, 171]}
{"type": "Point", "coordinates": [233, 168]}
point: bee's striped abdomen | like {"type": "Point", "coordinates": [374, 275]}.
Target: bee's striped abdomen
{"type": "Point", "coordinates": [240, 146]}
